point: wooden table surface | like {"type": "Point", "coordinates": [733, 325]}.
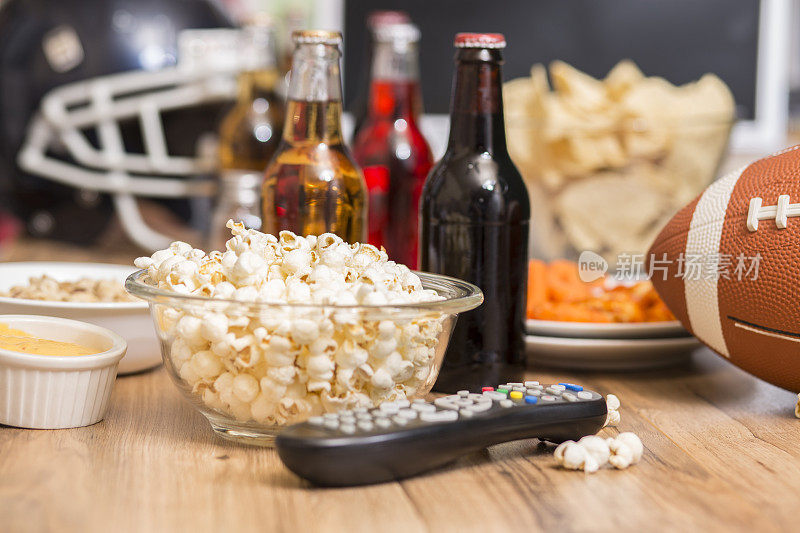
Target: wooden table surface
{"type": "Point", "coordinates": [722, 453]}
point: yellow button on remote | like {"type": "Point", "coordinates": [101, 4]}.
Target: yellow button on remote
{"type": "Point", "coordinates": [515, 395]}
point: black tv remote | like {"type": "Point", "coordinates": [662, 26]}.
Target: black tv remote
{"type": "Point", "coordinates": [401, 438]}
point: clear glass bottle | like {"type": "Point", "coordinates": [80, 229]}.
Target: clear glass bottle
{"type": "Point", "coordinates": [239, 199]}
{"type": "Point", "coordinates": [390, 147]}
{"type": "Point", "coordinates": [313, 185]}
{"type": "Point", "coordinates": [250, 132]}
{"type": "Point", "coordinates": [474, 223]}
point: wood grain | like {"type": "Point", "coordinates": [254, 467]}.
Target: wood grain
{"type": "Point", "coordinates": [722, 454]}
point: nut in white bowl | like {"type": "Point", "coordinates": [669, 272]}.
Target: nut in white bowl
{"type": "Point", "coordinates": [54, 392]}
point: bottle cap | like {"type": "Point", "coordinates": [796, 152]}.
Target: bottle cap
{"type": "Point", "coordinates": [480, 40]}
{"type": "Point", "coordinates": [379, 18]}
{"type": "Point", "coordinates": [333, 38]}
{"type": "Point", "coordinates": [403, 32]}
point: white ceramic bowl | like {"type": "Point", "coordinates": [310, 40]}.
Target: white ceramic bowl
{"type": "Point", "coordinates": [129, 319]}
{"type": "Point", "coordinates": [53, 392]}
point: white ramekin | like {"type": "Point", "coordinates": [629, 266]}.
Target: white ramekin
{"type": "Point", "coordinates": [52, 392]}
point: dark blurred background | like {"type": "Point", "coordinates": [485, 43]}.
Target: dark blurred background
{"type": "Point", "coordinates": [678, 39]}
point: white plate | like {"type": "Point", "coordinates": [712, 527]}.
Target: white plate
{"type": "Point", "coordinates": [131, 320]}
{"type": "Point", "coordinates": [608, 354]}
{"type": "Point", "coordinates": [596, 330]}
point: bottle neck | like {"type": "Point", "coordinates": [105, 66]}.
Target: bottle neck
{"type": "Point", "coordinates": [257, 84]}
{"type": "Point", "coordinates": [476, 110]}
{"type": "Point", "coordinates": [394, 87]}
{"type": "Point", "coordinates": [314, 110]}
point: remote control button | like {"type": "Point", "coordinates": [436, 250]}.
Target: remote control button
{"type": "Point", "coordinates": [518, 389]}
{"type": "Point", "coordinates": [402, 403]}
{"type": "Point", "coordinates": [444, 403]}
{"type": "Point", "coordinates": [347, 428]}
{"type": "Point", "coordinates": [562, 388]}
{"type": "Point", "coordinates": [347, 419]}
{"type": "Point", "coordinates": [439, 416]}
{"type": "Point", "coordinates": [531, 399]}
{"type": "Point", "coordinates": [377, 413]}
{"type": "Point", "coordinates": [548, 398]}
{"type": "Point", "coordinates": [572, 387]}
{"type": "Point", "coordinates": [530, 384]}
{"type": "Point", "coordinates": [569, 397]}
{"type": "Point", "coordinates": [504, 392]}
{"type": "Point", "coordinates": [423, 407]}
{"type": "Point", "coordinates": [408, 414]}
{"type": "Point", "coordinates": [533, 392]}
{"type": "Point", "coordinates": [359, 409]}
{"type": "Point", "coordinates": [506, 403]}
{"type": "Point", "coordinates": [365, 426]}
{"type": "Point", "coordinates": [464, 403]}
{"type": "Point", "coordinates": [316, 420]}
{"type": "Point", "coordinates": [419, 401]}
{"type": "Point", "coordinates": [463, 393]}
{"type": "Point", "coordinates": [516, 395]}
{"type": "Point", "coordinates": [331, 424]}
{"type": "Point", "coordinates": [466, 413]}
{"type": "Point", "coordinates": [514, 384]}
{"type": "Point", "coordinates": [494, 395]}
{"type": "Point", "coordinates": [585, 395]}
{"type": "Point", "coordinates": [364, 417]}
{"type": "Point", "coordinates": [399, 420]}
{"type": "Point", "coordinates": [383, 423]}
{"type": "Point", "coordinates": [474, 396]}
{"type": "Point", "coordinates": [389, 408]}
{"type": "Point", "coordinates": [452, 397]}
{"type": "Point", "coordinates": [479, 407]}
{"type": "Point", "coordinates": [487, 389]}
{"type": "Point", "coordinates": [553, 390]}
{"type": "Point", "coordinates": [330, 416]}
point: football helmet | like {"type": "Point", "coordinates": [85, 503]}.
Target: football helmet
{"type": "Point", "coordinates": [104, 101]}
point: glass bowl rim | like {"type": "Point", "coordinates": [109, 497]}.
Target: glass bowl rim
{"type": "Point", "coordinates": [469, 297]}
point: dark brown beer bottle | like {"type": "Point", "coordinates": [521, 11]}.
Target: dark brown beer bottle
{"type": "Point", "coordinates": [474, 223]}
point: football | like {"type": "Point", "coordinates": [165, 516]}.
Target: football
{"type": "Point", "coordinates": [728, 266]}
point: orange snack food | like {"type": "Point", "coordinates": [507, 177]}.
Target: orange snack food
{"type": "Point", "coordinates": [556, 292]}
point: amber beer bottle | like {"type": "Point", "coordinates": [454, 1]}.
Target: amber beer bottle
{"type": "Point", "coordinates": [251, 130]}
{"type": "Point", "coordinates": [312, 185]}
{"type": "Point", "coordinates": [474, 223]}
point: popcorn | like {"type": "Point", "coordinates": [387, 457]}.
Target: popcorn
{"type": "Point", "coordinates": [592, 452]}
{"type": "Point", "coordinates": [280, 365]}
{"type": "Point", "coordinates": [613, 404]}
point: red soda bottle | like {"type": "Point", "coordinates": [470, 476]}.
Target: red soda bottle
{"type": "Point", "coordinates": [375, 20]}
{"type": "Point", "coordinates": [390, 148]}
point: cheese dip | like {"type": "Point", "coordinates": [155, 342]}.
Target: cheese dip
{"type": "Point", "coordinates": [18, 341]}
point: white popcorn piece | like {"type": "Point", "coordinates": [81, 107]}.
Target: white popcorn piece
{"type": "Point", "coordinates": [245, 387]}
{"type": "Point", "coordinates": [574, 456]}
{"type": "Point", "coordinates": [626, 449]}
{"type": "Point", "coordinates": [597, 447]}
{"type": "Point", "coordinates": [275, 363]}
{"type": "Point", "coordinates": [613, 405]}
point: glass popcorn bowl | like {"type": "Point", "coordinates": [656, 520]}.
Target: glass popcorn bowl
{"type": "Point", "coordinates": [252, 368]}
